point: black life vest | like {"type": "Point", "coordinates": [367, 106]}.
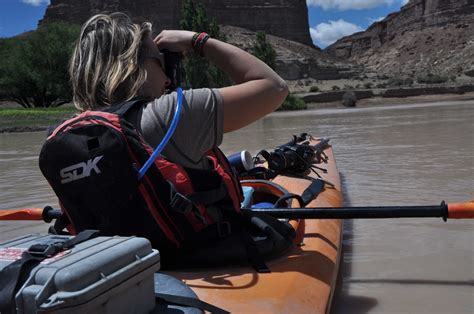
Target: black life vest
{"type": "Point", "coordinates": [92, 160]}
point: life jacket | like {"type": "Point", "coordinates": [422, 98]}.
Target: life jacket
{"type": "Point", "coordinates": [92, 161]}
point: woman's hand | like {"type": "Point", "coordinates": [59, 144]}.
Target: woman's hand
{"type": "Point", "coordinates": [175, 40]}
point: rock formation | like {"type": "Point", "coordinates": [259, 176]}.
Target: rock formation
{"type": "Point", "coordinates": [287, 20]}
{"type": "Point", "coordinates": [426, 36]}
{"type": "Point", "coordinates": [283, 18]}
{"type": "Point", "coordinates": [295, 61]}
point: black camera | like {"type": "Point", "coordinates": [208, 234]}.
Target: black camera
{"type": "Point", "coordinates": [295, 158]}
{"type": "Point", "coordinates": [173, 68]}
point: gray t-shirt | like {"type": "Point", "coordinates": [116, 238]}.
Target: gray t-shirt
{"type": "Point", "coordinates": [200, 127]}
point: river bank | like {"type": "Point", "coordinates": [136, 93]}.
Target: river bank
{"type": "Point", "coordinates": [14, 119]}
{"type": "Point", "coordinates": [383, 101]}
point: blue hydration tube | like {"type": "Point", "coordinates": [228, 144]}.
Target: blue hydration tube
{"type": "Point", "coordinates": [166, 138]}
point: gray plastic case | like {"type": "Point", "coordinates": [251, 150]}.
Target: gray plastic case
{"type": "Point", "coordinates": [101, 275]}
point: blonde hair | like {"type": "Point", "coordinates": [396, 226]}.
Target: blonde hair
{"type": "Point", "coordinates": [106, 67]}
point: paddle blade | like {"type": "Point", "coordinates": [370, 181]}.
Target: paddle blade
{"type": "Point", "coordinates": [461, 210]}
{"type": "Point", "coordinates": [22, 214]}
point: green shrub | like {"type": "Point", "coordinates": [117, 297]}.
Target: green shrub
{"type": "Point", "coordinates": [34, 66]}
{"type": "Point", "coordinates": [397, 81]}
{"type": "Point", "coordinates": [349, 99]}
{"type": "Point", "coordinates": [314, 89]}
{"type": "Point", "coordinates": [199, 72]}
{"type": "Point", "coordinates": [292, 103]}
{"type": "Point", "coordinates": [431, 79]}
{"type": "Point", "coordinates": [263, 50]}
{"type": "Point", "coordinates": [335, 87]}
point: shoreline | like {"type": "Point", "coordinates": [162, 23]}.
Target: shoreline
{"type": "Point", "coordinates": [23, 129]}
{"type": "Point", "coordinates": [362, 103]}
{"type": "Point", "coordinates": [383, 101]}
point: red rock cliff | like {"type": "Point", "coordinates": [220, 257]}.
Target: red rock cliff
{"type": "Point", "coordinates": [283, 18]}
{"type": "Point", "coordinates": [426, 36]}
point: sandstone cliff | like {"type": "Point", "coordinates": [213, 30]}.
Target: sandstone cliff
{"type": "Point", "coordinates": [283, 18]}
{"type": "Point", "coordinates": [287, 20]}
{"type": "Point", "coordinates": [295, 61]}
{"type": "Point", "coordinates": [426, 36]}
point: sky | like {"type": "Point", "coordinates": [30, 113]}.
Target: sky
{"type": "Point", "coordinates": [329, 20]}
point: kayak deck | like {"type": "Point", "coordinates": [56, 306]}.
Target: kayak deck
{"type": "Point", "coordinates": [302, 280]}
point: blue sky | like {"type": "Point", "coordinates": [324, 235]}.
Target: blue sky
{"type": "Point", "coordinates": [329, 20]}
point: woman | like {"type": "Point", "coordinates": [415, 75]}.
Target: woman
{"type": "Point", "coordinates": [196, 199]}
{"type": "Point", "coordinates": [116, 60]}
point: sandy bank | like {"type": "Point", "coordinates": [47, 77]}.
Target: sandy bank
{"type": "Point", "coordinates": [382, 101]}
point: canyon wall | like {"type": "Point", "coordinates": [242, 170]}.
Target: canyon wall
{"type": "Point", "coordinates": [283, 18]}
{"type": "Point", "coordinates": [425, 36]}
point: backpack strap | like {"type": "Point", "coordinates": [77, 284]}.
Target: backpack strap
{"type": "Point", "coordinates": [13, 276]}
{"type": "Point", "coordinates": [210, 196]}
{"type": "Point", "coordinates": [312, 191]}
{"type": "Point", "coordinates": [122, 108]}
{"type": "Point", "coordinates": [59, 225]}
{"type": "Point", "coordinates": [258, 173]}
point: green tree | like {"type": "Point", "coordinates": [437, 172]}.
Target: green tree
{"type": "Point", "coordinates": [34, 66]}
{"type": "Point", "coordinates": [292, 103]}
{"type": "Point", "coordinates": [199, 72]}
{"type": "Point", "coordinates": [263, 50]}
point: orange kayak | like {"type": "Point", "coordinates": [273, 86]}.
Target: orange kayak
{"type": "Point", "coordinates": [300, 281]}
{"type": "Point", "coordinates": [302, 277]}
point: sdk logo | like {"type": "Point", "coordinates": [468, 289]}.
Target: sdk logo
{"type": "Point", "coordinates": [80, 170]}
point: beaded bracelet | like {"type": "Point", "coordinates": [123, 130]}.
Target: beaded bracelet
{"type": "Point", "coordinates": [198, 41]}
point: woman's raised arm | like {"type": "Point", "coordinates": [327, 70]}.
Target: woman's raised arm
{"type": "Point", "coordinates": [258, 91]}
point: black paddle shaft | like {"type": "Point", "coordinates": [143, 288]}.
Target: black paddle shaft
{"type": "Point", "coordinates": [365, 212]}
{"type": "Point", "coordinates": [375, 212]}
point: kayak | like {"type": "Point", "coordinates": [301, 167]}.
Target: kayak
{"type": "Point", "coordinates": [303, 279]}
{"type": "Point", "coordinates": [116, 274]}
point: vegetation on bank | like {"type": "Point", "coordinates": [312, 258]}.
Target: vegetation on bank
{"type": "Point", "coordinates": [18, 119]}
{"type": "Point", "coordinates": [34, 66]}
{"type": "Point", "coordinates": [293, 103]}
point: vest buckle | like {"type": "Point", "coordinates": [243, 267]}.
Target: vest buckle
{"type": "Point", "coordinates": [181, 203]}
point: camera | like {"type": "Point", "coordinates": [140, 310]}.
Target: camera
{"type": "Point", "coordinates": [295, 158]}
{"type": "Point", "coordinates": [173, 68]}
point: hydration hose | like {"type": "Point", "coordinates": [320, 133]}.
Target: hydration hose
{"type": "Point", "coordinates": [166, 138]}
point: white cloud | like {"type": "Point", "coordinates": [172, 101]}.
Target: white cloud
{"type": "Point", "coordinates": [349, 4]}
{"type": "Point", "coordinates": [35, 2]}
{"type": "Point", "coordinates": [325, 34]}
{"type": "Point", "coordinates": [377, 19]}
{"type": "Point", "coordinates": [404, 2]}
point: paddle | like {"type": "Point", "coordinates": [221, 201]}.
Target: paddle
{"type": "Point", "coordinates": [445, 211]}
{"type": "Point", "coordinates": [47, 214]}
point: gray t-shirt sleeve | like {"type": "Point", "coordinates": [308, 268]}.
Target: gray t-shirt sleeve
{"type": "Point", "coordinates": [200, 127]}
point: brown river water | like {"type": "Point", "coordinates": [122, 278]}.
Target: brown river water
{"type": "Point", "coordinates": [389, 155]}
